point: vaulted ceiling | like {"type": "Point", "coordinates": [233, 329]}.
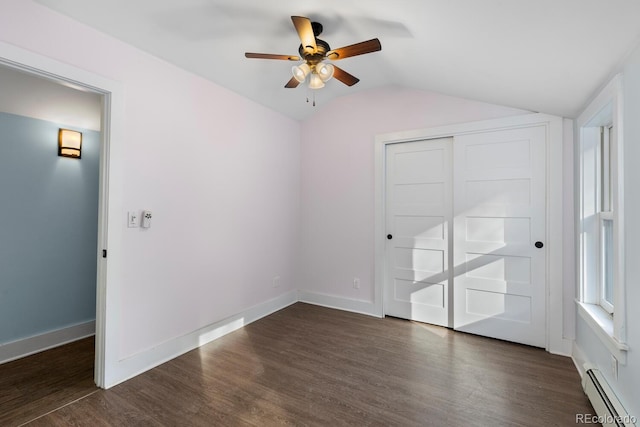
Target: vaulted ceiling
{"type": "Point", "coordinates": [541, 55]}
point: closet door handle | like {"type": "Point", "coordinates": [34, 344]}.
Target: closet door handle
{"type": "Point", "coordinates": [539, 245]}
{"type": "Point", "coordinates": [389, 236]}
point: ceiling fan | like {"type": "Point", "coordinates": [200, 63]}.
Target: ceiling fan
{"type": "Point", "coordinates": [314, 51]}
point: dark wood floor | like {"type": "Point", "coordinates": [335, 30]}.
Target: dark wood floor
{"type": "Point", "coordinates": [35, 385]}
{"type": "Point", "coordinates": [308, 365]}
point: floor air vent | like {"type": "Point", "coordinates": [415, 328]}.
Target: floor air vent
{"type": "Point", "coordinates": [609, 409]}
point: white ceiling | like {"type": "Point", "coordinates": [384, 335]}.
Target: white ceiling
{"type": "Point", "coordinates": [540, 55]}
{"type": "Point", "coordinates": [31, 96]}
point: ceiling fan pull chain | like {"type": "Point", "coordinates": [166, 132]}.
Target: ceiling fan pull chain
{"type": "Point", "coordinates": [314, 99]}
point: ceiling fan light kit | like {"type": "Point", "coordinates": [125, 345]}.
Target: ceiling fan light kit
{"type": "Point", "coordinates": [320, 74]}
{"type": "Point", "coordinates": [313, 51]}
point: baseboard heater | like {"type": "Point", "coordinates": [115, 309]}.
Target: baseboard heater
{"type": "Point", "coordinates": [604, 401]}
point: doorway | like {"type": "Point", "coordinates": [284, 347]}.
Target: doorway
{"type": "Point", "coordinates": [49, 241]}
{"type": "Point", "coordinates": [49, 224]}
{"type": "Point", "coordinates": [110, 93]}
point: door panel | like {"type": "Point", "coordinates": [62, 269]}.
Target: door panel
{"type": "Point", "coordinates": [418, 216]}
{"type": "Point", "coordinates": [499, 204]}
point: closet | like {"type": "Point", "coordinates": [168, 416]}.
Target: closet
{"type": "Point", "coordinates": [465, 229]}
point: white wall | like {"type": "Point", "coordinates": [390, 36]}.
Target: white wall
{"type": "Point", "coordinates": [338, 182]}
{"type": "Point", "coordinates": [627, 385]}
{"type": "Point", "coordinates": [630, 374]}
{"type": "Point", "coordinates": [568, 228]}
{"type": "Point", "coordinates": [219, 172]}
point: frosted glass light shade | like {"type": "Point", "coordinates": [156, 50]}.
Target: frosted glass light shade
{"type": "Point", "coordinates": [300, 72]}
{"type": "Point", "coordinates": [69, 143]}
{"type": "Point", "coordinates": [325, 71]}
{"type": "Point", "coordinates": [315, 82]}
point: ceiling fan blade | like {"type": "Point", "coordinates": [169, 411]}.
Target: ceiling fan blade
{"type": "Point", "coordinates": [305, 32]}
{"type": "Point", "coordinates": [344, 77]}
{"type": "Point", "coordinates": [271, 56]}
{"type": "Point", "coordinates": [361, 48]}
{"type": "Point", "coordinates": [292, 83]}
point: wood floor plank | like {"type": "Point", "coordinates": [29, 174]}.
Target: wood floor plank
{"type": "Point", "coordinates": [309, 365]}
{"type": "Point", "coordinates": [43, 382]}
{"type": "Point", "coordinates": [105, 409]}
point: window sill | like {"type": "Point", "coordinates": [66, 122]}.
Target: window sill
{"type": "Point", "coordinates": [601, 324]}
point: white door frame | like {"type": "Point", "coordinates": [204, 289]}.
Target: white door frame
{"type": "Point", "coordinates": [108, 205]}
{"type": "Point", "coordinates": [555, 341]}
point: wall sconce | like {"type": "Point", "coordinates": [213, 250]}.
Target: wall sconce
{"type": "Point", "coordinates": [69, 143]}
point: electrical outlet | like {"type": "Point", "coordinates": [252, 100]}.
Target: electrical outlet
{"type": "Point", "coordinates": [356, 283]}
{"type": "Point", "coordinates": [276, 282]}
{"type": "Point", "coordinates": [614, 367]}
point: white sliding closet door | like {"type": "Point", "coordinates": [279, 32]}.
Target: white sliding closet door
{"type": "Point", "coordinates": [465, 223]}
{"type": "Point", "coordinates": [418, 216]}
{"type": "Point", "coordinates": [499, 234]}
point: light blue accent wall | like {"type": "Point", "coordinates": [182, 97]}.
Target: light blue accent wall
{"type": "Point", "coordinates": [48, 229]}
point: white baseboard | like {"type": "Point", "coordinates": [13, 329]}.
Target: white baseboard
{"type": "Point", "coordinates": [341, 303]}
{"type": "Point", "coordinates": [562, 347]}
{"type": "Point", "coordinates": [35, 344]}
{"type": "Point", "coordinates": [579, 359]}
{"type": "Point", "coordinates": [141, 362]}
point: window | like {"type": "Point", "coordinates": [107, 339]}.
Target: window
{"type": "Point", "coordinates": [600, 215]}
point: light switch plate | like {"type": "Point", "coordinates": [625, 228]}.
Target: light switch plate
{"type": "Point", "coordinates": [133, 220]}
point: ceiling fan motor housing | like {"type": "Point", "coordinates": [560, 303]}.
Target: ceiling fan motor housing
{"type": "Point", "coordinates": [322, 47]}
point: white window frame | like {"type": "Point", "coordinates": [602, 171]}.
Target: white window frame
{"type": "Point", "coordinates": [604, 111]}
{"type": "Point", "coordinates": [602, 301]}
{"type": "Point", "coordinates": [604, 190]}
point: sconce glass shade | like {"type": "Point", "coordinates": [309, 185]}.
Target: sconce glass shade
{"type": "Point", "coordinates": [325, 71]}
{"type": "Point", "coordinates": [69, 143]}
{"type": "Point", "coordinates": [315, 82]}
{"type": "Point", "coordinates": [300, 72]}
